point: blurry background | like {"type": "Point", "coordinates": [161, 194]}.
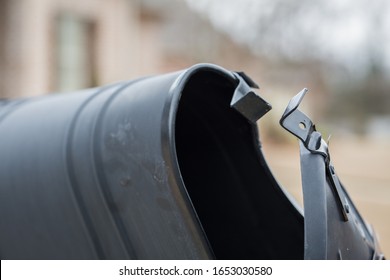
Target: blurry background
{"type": "Point", "coordinates": [339, 49]}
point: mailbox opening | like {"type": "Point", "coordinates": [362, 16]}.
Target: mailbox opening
{"type": "Point", "coordinates": [243, 211]}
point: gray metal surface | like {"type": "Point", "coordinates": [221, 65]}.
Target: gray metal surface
{"type": "Point", "coordinates": [157, 168]}
{"type": "Point", "coordinates": [334, 228]}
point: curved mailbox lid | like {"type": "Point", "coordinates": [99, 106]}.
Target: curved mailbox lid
{"type": "Point", "coordinates": [334, 228]}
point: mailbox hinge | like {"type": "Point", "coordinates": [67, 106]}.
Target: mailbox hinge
{"type": "Point", "coordinates": [300, 125]}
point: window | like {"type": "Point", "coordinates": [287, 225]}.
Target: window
{"type": "Point", "coordinates": [74, 53]}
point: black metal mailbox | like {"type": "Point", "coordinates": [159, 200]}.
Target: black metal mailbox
{"type": "Point", "coordinates": [163, 167]}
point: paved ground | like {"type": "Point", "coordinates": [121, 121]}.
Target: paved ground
{"type": "Point", "coordinates": [364, 168]}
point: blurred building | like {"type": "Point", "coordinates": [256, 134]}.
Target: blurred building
{"type": "Point", "coordinates": [64, 45]}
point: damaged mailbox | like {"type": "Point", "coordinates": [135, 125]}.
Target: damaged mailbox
{"type": "Point", "coordinates": [165, 167]}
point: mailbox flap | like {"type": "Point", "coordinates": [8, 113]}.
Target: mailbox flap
{"type": "Point", "coordinates": [334, 229]}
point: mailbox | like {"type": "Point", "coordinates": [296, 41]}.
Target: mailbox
{"type": "Point", "coordinates": [162, 167]}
